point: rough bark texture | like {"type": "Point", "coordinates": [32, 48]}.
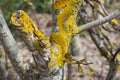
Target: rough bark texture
{"type": "Point", "coordinates": [3, 71]}
{"type": "Point", "coordinates": [22, 68]}
{"type": "Point", "coordinates": [98, 37]}
{"type": "Point", "coordinates": [112, 71]}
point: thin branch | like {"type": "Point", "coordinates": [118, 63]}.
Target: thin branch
{"type": "Point", "coordinates": [100, 21]}
{"type": "Point", "coordinates": [117, 52]}
{"type": "Point", "coordinates": [103, 48]}
{"type": "Point", "coordinates": [14, 54]}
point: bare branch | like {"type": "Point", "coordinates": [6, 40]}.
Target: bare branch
{"type": "Point", "coordinates": [100, 21]}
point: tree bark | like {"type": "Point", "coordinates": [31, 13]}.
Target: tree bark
{"type": "Point", "coordinates": [3, 71]}
{"type": "Point", "coordinates": [100, 21]}
{"type": "Point", "coordinates": [14, 54]}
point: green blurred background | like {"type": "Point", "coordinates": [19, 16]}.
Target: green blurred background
{"type": "Point", "coordinates": [9, 6]}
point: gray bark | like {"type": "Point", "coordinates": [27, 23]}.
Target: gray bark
{"type": "Point", "coordinates": [100, 21]}
{"type": "Point", "coordinates": [14, 54]}
{"type": "Point", "coordinates": [3, 71]}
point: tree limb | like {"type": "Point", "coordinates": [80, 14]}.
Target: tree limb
{"type": "Point", "coordinates": [3, 71]}
{"type": "Point", "coordinates": [113, 64]}
{"type": "Point", "coordinates": [22, 68]}
{"type": "Point", "coordinates": [100, 21]}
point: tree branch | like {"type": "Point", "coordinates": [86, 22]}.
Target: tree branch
{"type": "Point", "coordinates": [103, 48]}
{"type": "Point", "coordinates": [100, 21]}
{"type": "Point", "coordinates": [13, 52]}
{"type": "Point", "coordinates": [3, 71]}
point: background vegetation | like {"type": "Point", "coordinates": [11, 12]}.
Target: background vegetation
{"type": "Point", "coordinates": [41, 13]}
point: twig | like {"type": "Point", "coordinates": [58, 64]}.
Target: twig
{"type": "Point", "coordinates": [114, 56]}
{"type": "Point", "coordinates": [69, 76]}
{"type": "Point", "coordinates": [100, 21]}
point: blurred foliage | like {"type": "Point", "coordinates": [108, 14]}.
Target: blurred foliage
{"type": "Point", "coordinates": [112, 4]}
{"type": "Point", "coordinates": [113, 7]}
{"type": "Point", "coordinates": [42, 6]}
{"type": "Point", "coordinates": [9, 6]}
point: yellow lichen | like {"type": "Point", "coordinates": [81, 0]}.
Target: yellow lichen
{"type": "Point", "coordinates": [61, 18]}
{"type": "Point", "coordinates": [67, 27]}
{"type": "Point", "coordinates": [58, 56]}
{"type": "Point", "coordinates": [14, 20]}
{"type": "Point", "coordinates": [38, 45]}
{"type": "Point", "coordinates": [91, 73]}
{"type": "Point", "coordinates": [25, 23]}
{"type": "Point", "coordinates": [66, 18]}
{"type": "Point", "coordinates": [61, 40]}
{"type": "Point", "coordinates": [118, 56]}
{"type": "Point", "coordinates": [109, 54]}
{"type": "Point", "coordinates": [71, 26]}
{"type": "Point", "coordinates": [53, 57]}
{"type": "Point", "coordinates": [118, 69]}
{"type": "Point", "coordinates": [60, 4]}
{"type": "Point", "coordinates": [115, 21]}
